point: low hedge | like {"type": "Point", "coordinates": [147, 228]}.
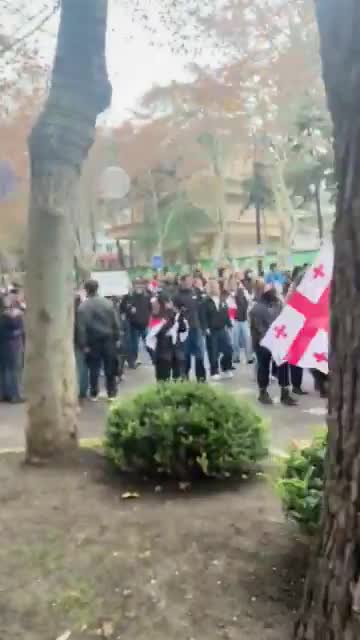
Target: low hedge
{"type": "Point", "coordinates": [301, 483]}
{"type": "Point", "coordinates": [184, 430]}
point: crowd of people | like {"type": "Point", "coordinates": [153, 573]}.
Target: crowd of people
{"type": "Point", "coordinates": [186, 323]}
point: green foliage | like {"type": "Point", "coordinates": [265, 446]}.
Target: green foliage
{"type": "Point", "coordinates": [311, 158]}
{"type": "Point", "coordinates": [173, 227]}
{"type": "Point", "coordinates": [302, 481]}
{"type": "Point", "coordinates": [184, 430]}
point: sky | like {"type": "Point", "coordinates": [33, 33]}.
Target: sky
{"type": "Point", "coordinates": [137, 60]}
{"type": "Point", "coordinates": [139, 51]}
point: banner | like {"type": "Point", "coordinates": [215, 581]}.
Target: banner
{"type": "Point", "coordinates": [300, 334]}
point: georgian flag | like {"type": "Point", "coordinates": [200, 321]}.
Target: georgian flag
{"type": "Point", "coordinates": [155, 326]}
{"type": "Point", "coordinates": [300, 334]}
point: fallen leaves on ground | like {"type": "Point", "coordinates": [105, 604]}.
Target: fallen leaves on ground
{"type": "Point", "coordinates": [64, 636]}
{"type": "Point", "coordinates": [184, 486]}
{"type": "Point", "coordinates": [130, 495]}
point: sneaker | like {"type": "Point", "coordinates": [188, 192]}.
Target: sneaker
{"type": "Point", "coordinates": [298, 391]}
{"type": "Point", "coordinates": [286, 399]}
{"type": "Point", "coordinates": [251, 361]}
{"type": "Point", "coordinates": [216, 377]}
{"type": "Point", "coordinates": [265, 398]}
{"type": "Point", "coordinates": [93, 398]}
{"type": "Point", "coordinates": [227, 375]}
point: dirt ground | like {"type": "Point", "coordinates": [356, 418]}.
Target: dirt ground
{"type": "Point", "coordinates": [75, 556]}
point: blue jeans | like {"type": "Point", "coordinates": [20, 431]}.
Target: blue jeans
{"type": "Point", "coordinates": [11, 367]}
{"type": "Point", "coordinates": [194, 346]}
{"type": "Point", "coordinates": [82, 373]}
{"type": "Point", "coordinates": [240, 334]}
{"type": "Point", "coordinates": [135, 334]}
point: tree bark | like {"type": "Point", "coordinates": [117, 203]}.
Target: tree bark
{"type": "Point", "coordinates": [58, 146]}
{"type": "Point", "coordinates": [319, 216]}
{"type": "Point", "coordinates": [121, 256]}
{"type": "Point", "coordinates": [331, 606]}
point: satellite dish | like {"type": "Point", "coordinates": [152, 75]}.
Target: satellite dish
{"type": "Point", "coordinates": [114, 184]}
{"type": "Point", "coordinates": [8, 180]}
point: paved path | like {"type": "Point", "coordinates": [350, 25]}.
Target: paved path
{"type": "Point", "coordinates": [286, 424]}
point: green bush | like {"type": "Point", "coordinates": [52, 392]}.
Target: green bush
{"type": "Point", "coordinates": [302, 481]}
{"type": "Point", "coordinates": [184, 430]}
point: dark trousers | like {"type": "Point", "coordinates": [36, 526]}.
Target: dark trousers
{"type": "Point", "coordinates": [102, 354]}
{"type": "Point", "coordinates": [263, 357]}
{"type": "Point", "coordinates": [321, 380]}
{"type": "Point", "coordinates": [219, 347]}
{"type": "Point", "coordinates": [296, 375]}
{"type": "Point", "coordinates": [194, 347]}
{"type": "Point", "coordinates": [168, 369]}
{"type": "Point", "coordinates": [135, 335]}
{"type": "Point", "coordinates": [82, 372]}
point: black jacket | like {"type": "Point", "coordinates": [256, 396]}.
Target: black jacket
{"type": "Point", "coordinates": [137, 307]}
{"type": "Point", "coordinates": [165, 347]}
{"type": "Point", "coordinates": [216, 318]}
{"type": "Point", "coordinates": [262, 315]}
{"type": "Point", "coordinates": [96, 319]}
{"type": "Point", "coordinates": [189, 301]}
{"type": "Point", "coordinates": [241, 305]}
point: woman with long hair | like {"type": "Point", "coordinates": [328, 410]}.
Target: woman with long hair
{"type": "Point", "coordinates": [217, 323]}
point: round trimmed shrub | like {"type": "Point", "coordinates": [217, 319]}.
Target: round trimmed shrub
{"type": "Point", "coordinates": [184, 430]}
{"type": "Point", "coordinates": [301, 484]}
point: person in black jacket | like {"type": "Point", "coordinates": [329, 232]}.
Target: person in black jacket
{"type": "Point", "coordinates": [189, 302]}
{"type": "Point", "coordinates": [97, 332]}
{"type": "Point", "coordinates": [166, 340]}
{"type": "Point", "coordinates": [11, 351]}
{"type": "Point", "coordinates": [238, 300]}
{"type": "Point", "coordinates": [137, 308]}
{"type": "Point", "coordinates": [216, 314]}
{"type": "Point", "coordinates": [262, 315]}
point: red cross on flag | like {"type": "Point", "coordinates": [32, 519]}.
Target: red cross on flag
{"type": "Point", "coordinates": [300, 334]}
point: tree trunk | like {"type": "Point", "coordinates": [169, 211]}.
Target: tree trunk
{"type": "Point", "coordinates": [157, 216]}
{"type": "Point", "coordinates": [331, 607]}
{"type": "Point", "coordinates": [223, 237]}
{"type": "Point", "coordinates": [120, 254]}
{"type": "Point", "coordinates": [319, 217]}
{"type": "Point", "coordinates": [58, 146]}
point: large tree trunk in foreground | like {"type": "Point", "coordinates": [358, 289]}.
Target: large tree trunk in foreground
{"type": "Point", "coordinates": [58, 146]}
{"type": "Point", "coordinates": [331, 607]}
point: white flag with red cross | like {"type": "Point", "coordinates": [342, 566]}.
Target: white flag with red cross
{"type": "Point", "coordinates": [300, 334]}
